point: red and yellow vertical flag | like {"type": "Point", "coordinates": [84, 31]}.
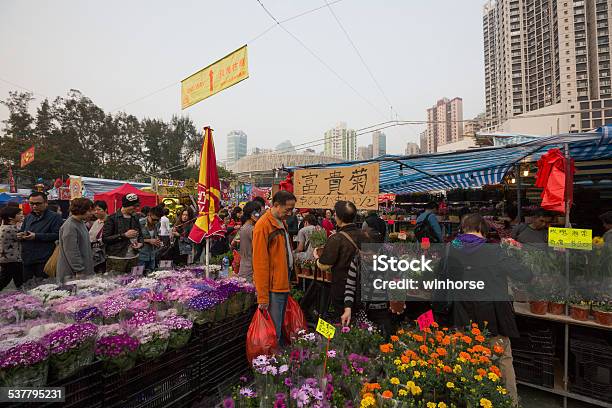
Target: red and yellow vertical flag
{"type": "Point", "coordinates": [209, 194]}
{"type": "Point", "coordinates": [27, 157]}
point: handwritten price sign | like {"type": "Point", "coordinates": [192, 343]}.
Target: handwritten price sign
{"type": "Point", "coordinates": [327, 330]}
{"type": "Point", "coordinates": [572, 238]}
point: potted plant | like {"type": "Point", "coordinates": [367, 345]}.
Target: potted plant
{"type": "Point", "coordinates": [538, 295]}
{"type": "Point", "coordinates": [318, 238]}
{"type": "Point", "coordinates": [579, 308]}
{"type": "Point", "coordinates": [298, 267]}
{"type": "Point", "coordinates": [556, 305]}
{"type": "Point", "coordinates": [602, 311]}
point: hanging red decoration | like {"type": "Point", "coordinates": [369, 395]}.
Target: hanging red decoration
{"type": "Point", "coordinates": [67, 182]}
{"type": "Point", "coordinates": [552, 177]}
{"type": "Point", "coordinates": [287, 183]}
{"type": "Point", "coordinates": [58, 183]}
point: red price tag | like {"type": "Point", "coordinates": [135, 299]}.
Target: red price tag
{"type": "Point", "coordinates": [425, 320]}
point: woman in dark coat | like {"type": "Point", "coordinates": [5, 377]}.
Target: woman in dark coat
{"type": "Point", "coordinates": [469, 259]}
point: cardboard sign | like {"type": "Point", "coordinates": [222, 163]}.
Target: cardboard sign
{"type": "Point", "coordinates": [138, 270]}
{"type": "Point", "coordinates": [322, 188]}
{"type": "Point", "coordinates": [425, 320]}
{"type": "Point", "coordinates": [165, 264]}
{"type": "Point", "coordinates": [327, 330]}
{"type": "Point", "coordinates": [572, 238]}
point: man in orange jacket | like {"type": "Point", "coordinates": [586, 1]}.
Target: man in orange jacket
{"type": "Point", "coordinates": [273, 258]}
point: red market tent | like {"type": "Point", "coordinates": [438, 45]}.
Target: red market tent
{"type": "Point", "coordinates": [113, 198]}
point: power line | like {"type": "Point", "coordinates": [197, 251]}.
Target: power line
{"type": "Point", "coordinates": [350, 40]}
{"type": "Point", "coordinates": [24, 88]}
{"type": "Point", "coordinates": [321, 60]}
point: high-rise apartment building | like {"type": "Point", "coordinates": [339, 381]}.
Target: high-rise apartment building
{"type": "Point", "coordinates": [547, 65]}
{"type": "Point", "coordinates": [444, 123]}
{"type": "Point", "coordinates": [423, 142]}
{"type": "Point", "coordinates": [412, 149]}
{"type": "Point", "coordinates": [236, 146]}
{"type": "Point", "coordinates": [379, 144]}
{"type": "Point", "coordinates": [364, 152]}
{"type": "Point", "coordinates": [341, 142]}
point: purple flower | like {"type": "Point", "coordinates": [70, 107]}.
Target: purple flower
{"type": "Point", "coordinates": [24, 354]}
{"type": "Point", "coordinates": [331, 353]}
{"type": "Point", "coordinates": [87, 314]}
{"type": "Point", "coordinates": [243, 379]}
{"type": "Point", "coordinates": [280, 401]}
{"type": "Point", "coordinates": [70, 337]}
{"type": "Point", "coordinates": [228, 403]}
{"type": "Point", "coordinates": [247, 392]}
{"type": "Point", "coordinates": [113, 346]}
{"type": "Point", "coordinates": [177, 323]}
{"type": "Point", "coordinates": [288, 382]}
{"type": "Point", "coordinates": [142, 317]}
{"type": "Point", "coordinates": [345, 370]}
{"type": "Point", "coordinates": [346, 329]}
{"type": "Point", "coordinates": [204, 301]}
{"type": "Point", "coordinates": [283, 369]}
{"type": "Point", "coordinates": [329, 391]}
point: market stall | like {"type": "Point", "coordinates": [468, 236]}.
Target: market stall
{"type": "Point", "coordinates": [113, 197]}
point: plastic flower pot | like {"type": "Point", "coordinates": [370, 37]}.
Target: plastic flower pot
{"type": "Point", "coordinates": [29, 376]}
{"type": "Point", "coordinates": [539, 307]}
{"type": "Point", "coordinates": [178, 339]}
{"type": "Point", "coordinates": [556, 308]}
{"type": "Point", "coordinates": [152, 349]}
{"type": "Point", "coordinates": [65, 364]}
{"type": "Point", "coordinates": [578, 312]}
{"type": "Point", "coordinates": [603, 317]}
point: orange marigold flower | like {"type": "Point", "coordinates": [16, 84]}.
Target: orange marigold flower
{"type": "Point", "coordinates": [435, 325]}
{"type": "Point", "coordinates": [475, 325]}
{"type": "Point", "coordinates": [447, 369]}
{"type": "Point", "coordinates": [466, 339]}
{"type": "Point", "coordinates": [486, 351]}
{"type": "Point", "coordinates": [394, 338]}
{"type": "Point", "coordinates": [401, 331]}
{"type": "Point", "coordinates": [446, 341]}
{"type": "Point", "coordinates": [405, 359]}
{"type": "Point", "coordinates": [465, 355]}
{"type": "Point", "coordinates": [441, 351]}
{"type": "Point", "coordinates": [476, 331]}
{"type": "Point", "coordinates": [386, 348]}
{"type": "Point", "coordinates": [431, 340]}
{"type": "Point", "coordinates": [479, 339]}
{"type": "Point", "coordinates": [438, 370]}
{"type": "Point", "coordinates": [498, 349]}
{"type": "Point", "coordinates": [484, 360]}
{"type": "Point", "coordinates": [495, 370]}
{"type": "Point", "coordinates": [476, 349]}
{"type": "Point", "coordinates": [417, 337]}
{"type": "Point", "coordinates": [387, 394]}
{"type": "Point", "coordinates": [445, 329]}
{"type": "Point", "coordinates": [427, 330]}
{"type": "Point", "coordinates": [482, 372]}
{"type": "Point", "coordinates": [434, 356]}
{"type": "Point", "coordinates": [424, 349]}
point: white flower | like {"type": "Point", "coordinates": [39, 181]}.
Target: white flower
{"type": "Point", "coordinates": [163, 274]}
{"type": "Point", "coordinates": [283, 369]}
{"type": "Point", "coordinates": [143, 283]}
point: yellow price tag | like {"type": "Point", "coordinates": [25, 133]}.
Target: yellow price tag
{"type": "Point", "coordinates": [572, 238]}
{"type": "Point", "coordinates": [326, 329]}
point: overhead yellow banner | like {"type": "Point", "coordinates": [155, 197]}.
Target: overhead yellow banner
{"type": "Point", "coordinates": [573, 238]}
{"type": "Point", "coordinates": [222, 74]}
{"type": "Point", "coordinates": [321, 188]}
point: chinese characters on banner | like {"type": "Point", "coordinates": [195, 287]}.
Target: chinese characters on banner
{"type": "Point", "coordinates": [222, 74]}
{"type": "Point", "coordinates": [27, 157]}
{"type": "Point", "coordinates": [321, 188]}
{"type": "Point", "coordinates": [572, 238]}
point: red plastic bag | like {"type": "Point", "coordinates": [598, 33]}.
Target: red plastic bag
{"type": "Point", "coordinates": [236, 262]}
{"type": "Point", "coordinates": [294, 320]}
{"type": "Point", "coordinates": [261, 337]}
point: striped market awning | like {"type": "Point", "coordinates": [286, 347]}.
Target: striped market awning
{"type": "Point", "coordinates": [477, 167]}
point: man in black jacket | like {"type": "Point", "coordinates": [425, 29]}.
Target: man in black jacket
{"type": "Point", "coordinates": [471, 259]}
{"type": "Point", "coordinates": [375, 227]}
{"type": "Point", "coordinates": [39, 231]}
{"type": "Point", "coordinates": [122, 235]}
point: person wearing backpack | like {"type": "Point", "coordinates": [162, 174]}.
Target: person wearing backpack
{"type": "Point", "coordinates": [375, 226]}
{"type": "Point", "coordinates": [338, 253]}
{"type": "Point", "coordinates": [427, 225]}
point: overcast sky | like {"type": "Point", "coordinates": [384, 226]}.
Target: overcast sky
{"type": "Point", "coordinates": [118, 51]}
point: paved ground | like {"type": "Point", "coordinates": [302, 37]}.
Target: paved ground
{"type": "Point", "coordinates": [532, 398]}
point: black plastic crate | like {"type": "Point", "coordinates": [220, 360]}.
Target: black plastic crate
{"type": "Point", "coordinates": [153, 383]}
{"type": "Point", "coordinates": [591, 369]}
{"type": "Point", "coordinates": [83, 389]}
{"type": "Point", "coordinates": [536, 340]}
{"type": "Point", "coordinates": [534, 368]}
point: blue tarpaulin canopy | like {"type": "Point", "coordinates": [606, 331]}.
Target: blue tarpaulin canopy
{"type": "Point", "coordinates": [7, 198]}
{"type": "Point", "coordinates": [477, 167]}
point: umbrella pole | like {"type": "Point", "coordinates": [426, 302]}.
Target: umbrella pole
{"type": "Point", "coordinates": [207, 255]}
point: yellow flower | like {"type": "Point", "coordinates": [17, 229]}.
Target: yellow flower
{"type": "Point", "coordinates": [368, 402]}
{"type": "Point", "coordinates": [478, 377]}
{"type": "Point", "coordinates": [501, 390]}
{"type": "Point", "coordinates": [416, 390]}
{"type": "Point", "coordinates": [461, 359]}
{"type": "Point", "coordinates": [413, 363]}
{"type": "Point", "coordinates": [441, 405]}
{"type": "Point", "coordinates": [485, 403]}
{"type": "Point", "coordinates": [440, 365]}
{"type": "Point", "coordinates": [493, 377]}
{"type": "Point", "coordinates": [395, 381]}
{"type": "Point", "coordinates": [422, 363]}
{"type": "Point", "coordinates": [457, 369]}
{"type": "Point", "coordinates": [403, 367]}
{"type": "Point", "coordinates": [397, 361]}
{"type": "Point", "coordinates": [431, 405]}
{"type": "Point", "coordinates": [416, 374]}
{"type": "Point", "coordinates": [463, 379]}
{"type": "Point", "coordinates": [410, 384]}
{"type": "Point", "coordinates": [450, 385]}
{"type": "Point", "coordinates": [402, 392]}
